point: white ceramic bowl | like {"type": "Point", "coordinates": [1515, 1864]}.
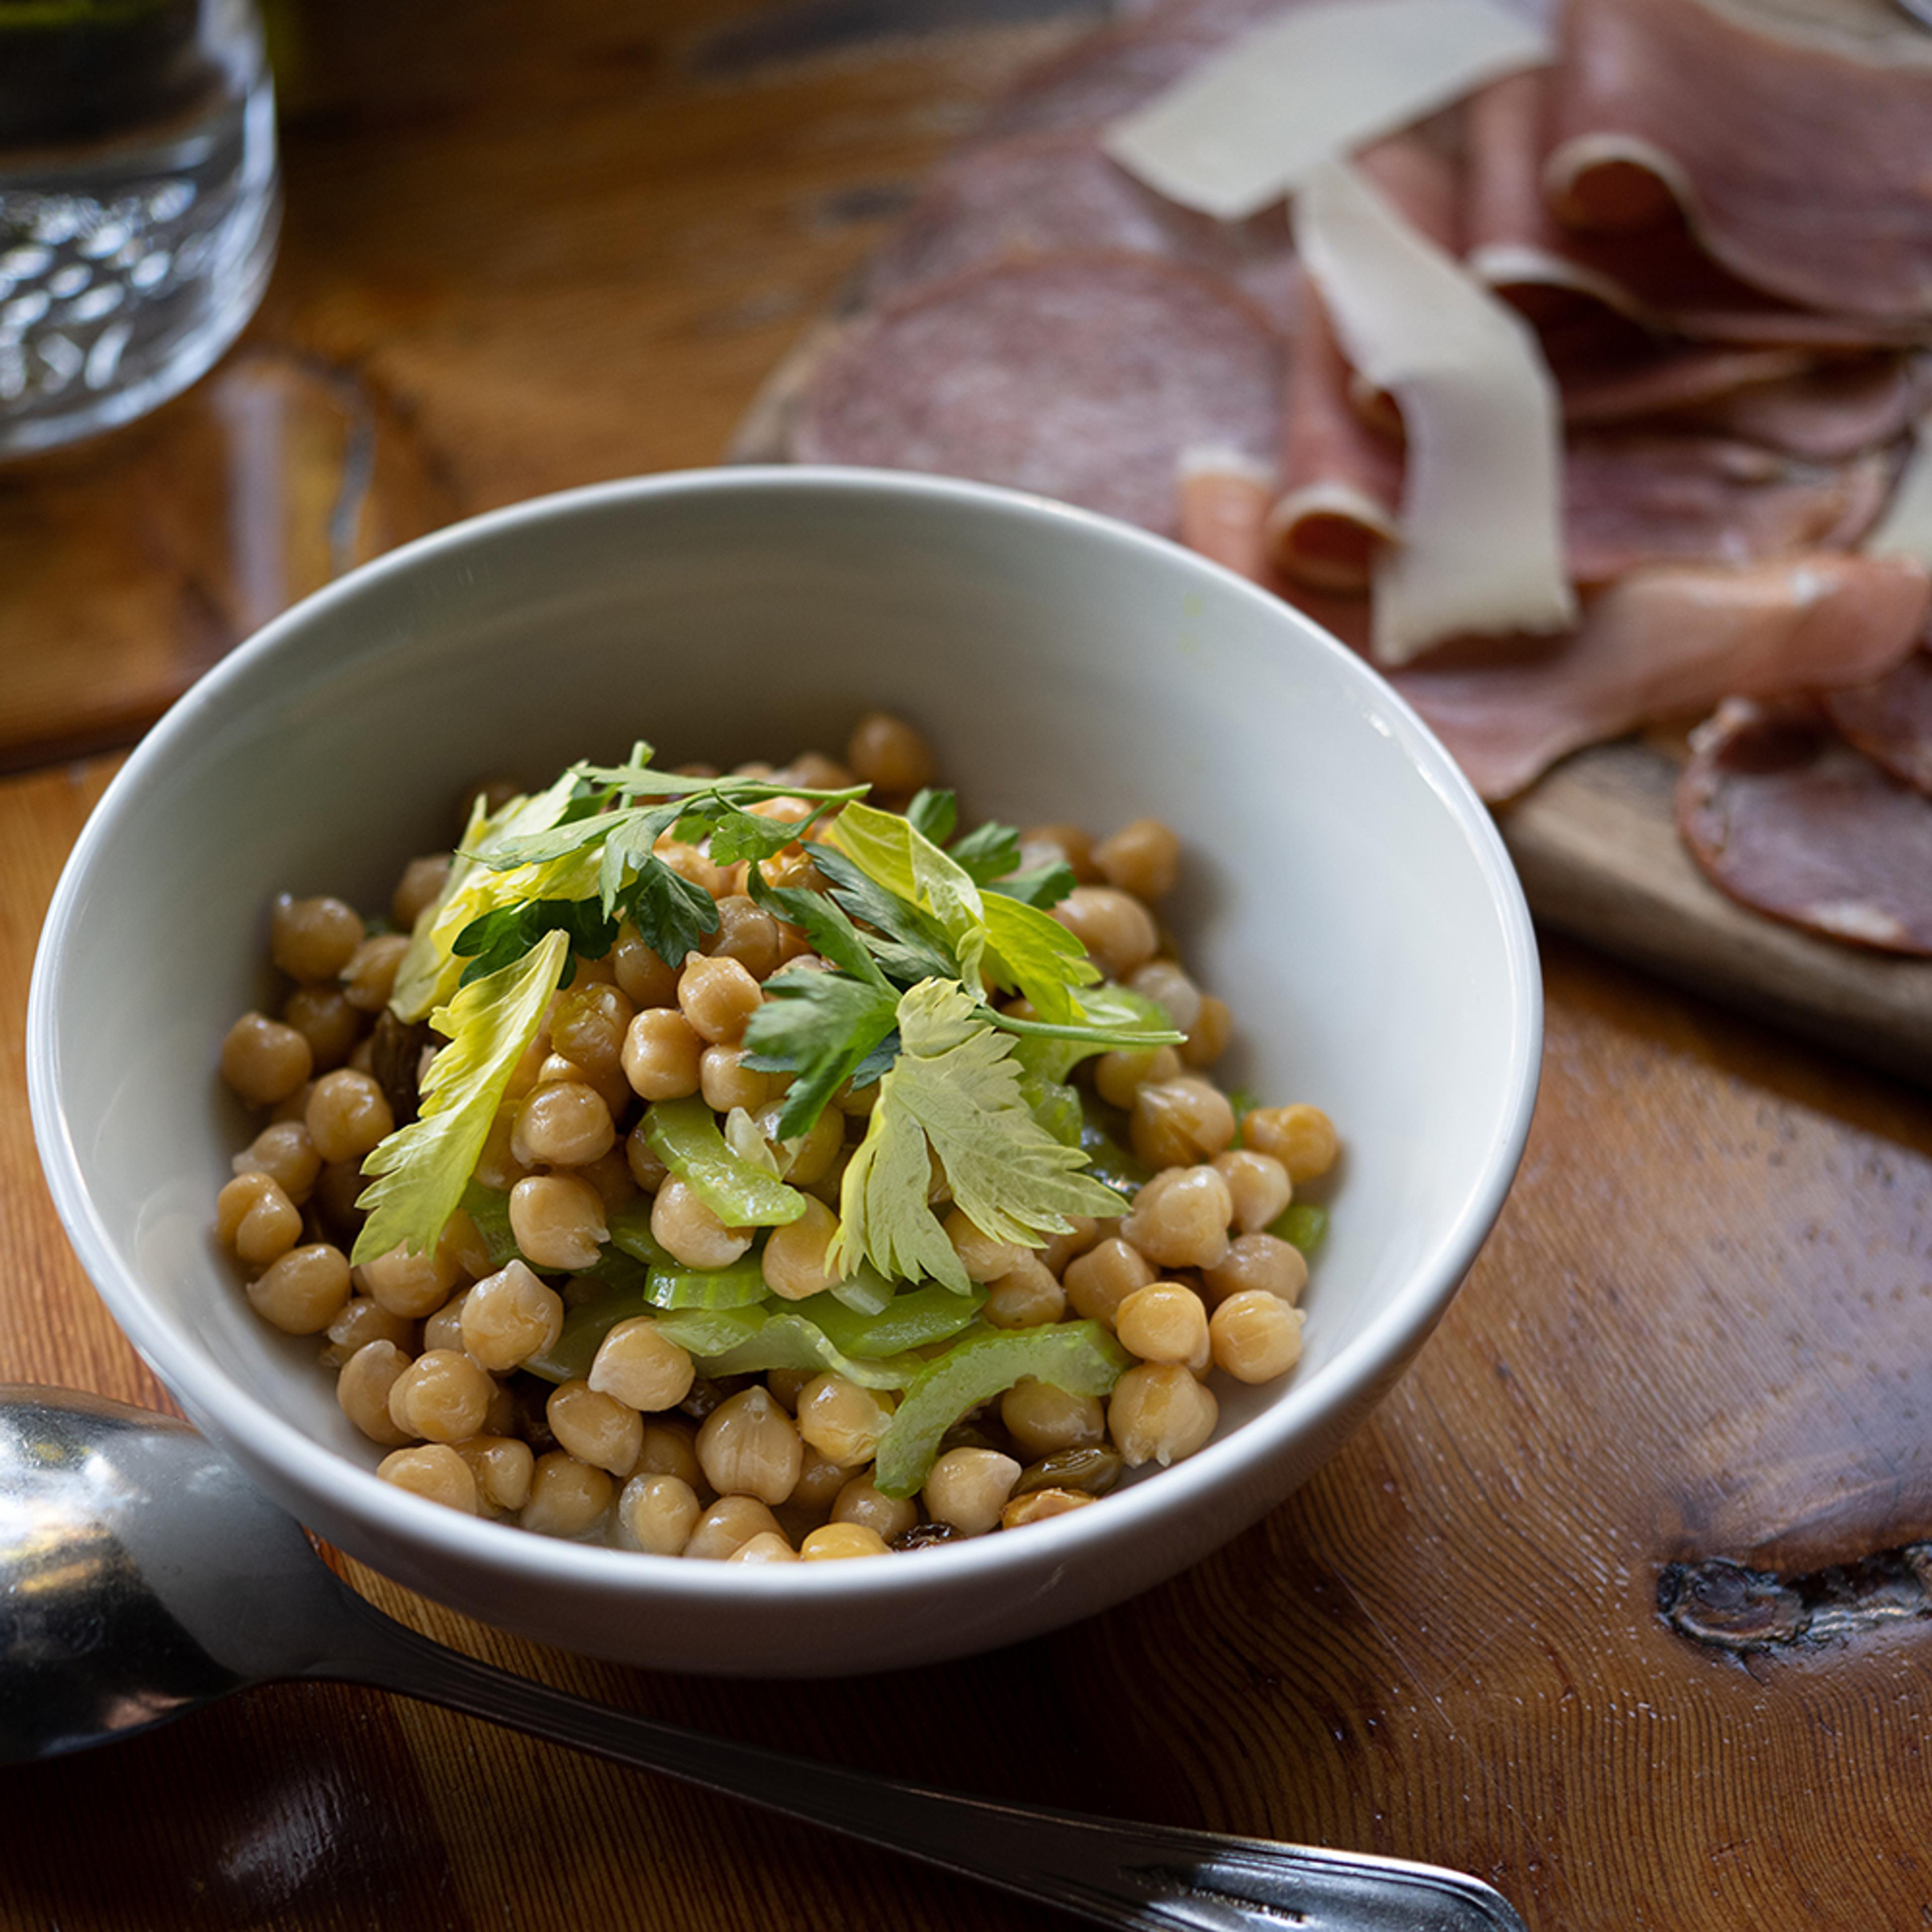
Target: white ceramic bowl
{"type": "Point", "coordinates": [1344, 890]}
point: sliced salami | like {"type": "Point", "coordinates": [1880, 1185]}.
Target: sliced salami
{"type": "Point", "coordinates": [1891, 720]}
{"type": "Point", "coordinates": [1080, 377]}
{"type": "Point", "coordinates": [1788, 819]}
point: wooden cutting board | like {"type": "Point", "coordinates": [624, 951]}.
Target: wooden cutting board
{"type": "Point", "coordinates": [1596, 845]}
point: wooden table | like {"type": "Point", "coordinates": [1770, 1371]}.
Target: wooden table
{"type": "Point", "coordinates": [533, 246]}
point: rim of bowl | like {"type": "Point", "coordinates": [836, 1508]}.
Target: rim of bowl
{"type": "Point", "coordinates": [475, 1544]}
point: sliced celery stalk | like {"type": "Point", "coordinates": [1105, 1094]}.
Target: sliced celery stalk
{"type": "Point", "coordinates": [685, 1136]}
{"type": "Point", "coordinates": [584, 1329]}
{"type": "Point", "coordinates": [742, 1284]}
{"type": "Point", "coordinates": [790, 1340]}
{"type": "Point", "coordinates": [915, 1318]}
{"type": "Point", "coordinates": [1080, 1357]}
{"type": "Point", "coordinates": [1302, 1223]}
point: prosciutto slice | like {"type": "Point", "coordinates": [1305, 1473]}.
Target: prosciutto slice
{"type": "Point", "coordinates": [1891, 719]}
{"type": "Point", "coordinates": [1800, 164]}
{"type": "Point", "coordinates": [1668, 642]}
{"type": "Point", "coordinates": [1653, 496]}
{"type": "Point", "coordinates": [1224, 504]}
{"type": "Point", "coordinates": [1083, 377]}
{"type": "Point", "coordinates": [1785, 816]}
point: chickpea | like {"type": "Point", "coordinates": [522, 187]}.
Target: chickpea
{"type": "Point", "coordinates": [1043, 1420]}
{"type": "Point", "coordinates": [662, 1054]}
{"type": "Point", "coordinates": [610, 1175]}
{"type": "Point", "coordinates": [441, 1396]}
{"type": "Point", "coordinates": [1027, 1298]}
{"type": "Point", "coordinates": [255, 1218]}
{"type": "Point", "coordinates": [691, 1232]}
{"type": "Point", "coordinates": [589, 1027]}
{"type": "Point", "coordinates": [838, 1540]}
{"type": "Point", "coordinates": [1166, 1322]}
{"type": "Point", "coordinates": [769, 1545]}
{"type": "Point", "coordinates": [689, 862]}
{"type": "Point", "coordinates": [1067, 845]}
{"type": "Point", "coordinates": [293, 1107]}
{"type": "Point", "coordinates": [969, 1487]}
{"type": "Point", "coordinates": [419, 889]}
{"type": "Point", "coordinates": [302, 1291]}
{"type": "Point", "coordinates": [860, 1502]}
{"type": "Point", "coordinates": [1177, 1122]}
{"type": "Point", "coordinates": [1181, 1218]}
{"type": "Point", "coordinates": [264, 1061]}
{"type": "Point", "coordinates": [644, 979]}
{"type": "Point", "coordinates": [817, 1490]}
{"type": "Point", "coordinates": [594, 1427]}
{"type": "Point", "coordinates": [1118, 1078]}
{"type": "Point", "coordinates": [357, 1323]}
{"type": "Point", "coordinates": [1165, 982]}
{"type": "Point", "coordinates": [558, 1220]}
{"type": "Point", "coordinates": [1117, 930]}
{"type": "Point", "coordinates": [641, 1158]}
{"type": "Point", "coordinates": [889, 754]}
{"type": "Point", "coordinates": [670, 1449]}
{"type": "Point", "coordinates": [564, 1124]}
{"type": "Point", "coordinates": [1159, 1412]}
{"type": "Point", "coordinates": [1143, 858]}
{"type": "Point", "coordinates": [283, 1152]}
{"type": "Point", "coordinates": [567, 1497]}
{"type": "Point", "coordinates": [637, 1365]}
{"type": "Point", "coordinates": [369, 977]}
{"type": "Point", "coordinates": [348, 1115]}
{"type": "Point", "coordinates": [718, 997]}
{"type": "Point", "coordinates": [436, 1473]}
{"type": "Point", "coordinates": [1262, 1261]}
{"type": "Point", "coordinates": [983, 1259]}
{"type": "Point", "coordinates": [726, 1081]}
{"type": "Point", "coordinates": [1302, 1138]}
{"type": "Point", "coordinates": [362, 1390]}
{"type": "Point", "coordinates": [411, 1285]}
{"type": "Point", "coordinates": [748, 1446]}
{"type": "Point", "coordinates": [313, 939]}
{"type": "Point", "coordinates": [658, 1513]}
{"type": "Point", "coordinates": [814, 772]}
{"type": "Point", "coordinates": [842, 1421]}
{"type": "Point", "coordinates": [1036, 1505]}
{"type": "Point", "coordinates": [746, 933]}
{"type": "Point", "coordinates": [1256, 1335]}
{"type": "Point", "coordinates": [1208, 1038]}
{"type": "Point", "coordinates": [326, 1020]}
{"type": "Point", "coordinates": [503, 1468]}
{"type": "Point", "coordinates": [509, 1316]}
{"type": "Point", "coordinates": [728, 1525]}
{"type": "Point", "coordinates": [444, 1329]}
{"type": "Point", "coordinates": [1083, 1232]}
{"type": "Point", "coordinates": [1259, 1186]}
{"type": "Point", "coordinates": [794, 1260]}
{"type": "Point", "coordinates": [809, 1157]}
{"type": "Point", "coordinates": [1098, 1282]}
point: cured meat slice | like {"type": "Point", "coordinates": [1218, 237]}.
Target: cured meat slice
{"type": "Point", "coordinates": [1785, 816]}
{"type": "Point", "coordinates": [1670, 381]}
{"type": "Point", "coordinates": [1613, 287]}
{"type": "Point", "coordinates": [1481, 549]}
{"type": "Point", "coordinates": [1890, 720]}
{"type": "Point", "coordinates": [1668, 642]}
{"type": "Point", "coordinates": [1082, 377]}
{"type": "Point", "coordinates": [1045, 193]}
{"type": "Point", "coordinates": [1341, 478]}
{"type": "Point", "coordinates": [1224, 504]}
{"type": "Point", "coordinates": [1801, 166]}
{"type": "Point", "coordinates": [1649, 496]}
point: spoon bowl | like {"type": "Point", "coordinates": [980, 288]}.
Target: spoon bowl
{"type": "Point", "coordinates": [141, 1577]}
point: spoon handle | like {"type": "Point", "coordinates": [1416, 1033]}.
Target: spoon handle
{"type": "Point", "coordinates": [1139, 1876]}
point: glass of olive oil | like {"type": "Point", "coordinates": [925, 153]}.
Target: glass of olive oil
{"type": "Point", "coordinates": [139, 205]}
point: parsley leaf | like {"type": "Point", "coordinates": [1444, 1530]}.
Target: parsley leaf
{"type": "Point", "coordinates": [955, 1088]}
{"type": "Point", "coordinates": [821, 1027]}
{"type": "Point", "coordinates": [987, 852]}
{"type": "Point", "coordinates": [501, 937]}
{"type": "Point", "coordinates": [1042, 886]}
{"type": "Point", "coordinates": [670, 913]}
{"type": "Point", "coordinates": [912, 947]}
{"type": "Point", "coordinates": [819, 918]}
{"type": "Point", "coordinates": [935, 813]}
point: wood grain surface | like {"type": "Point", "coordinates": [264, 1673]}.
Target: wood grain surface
{"type": "Point", "coordinates": [561, 244]}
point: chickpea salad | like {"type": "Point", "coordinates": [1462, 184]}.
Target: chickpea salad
{"type": "Point", "coordinates": [753, 1165]}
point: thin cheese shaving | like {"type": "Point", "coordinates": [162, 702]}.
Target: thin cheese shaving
{"type": "Point", "coordinates": [1482, 547]}
{"type": "Point", "coordinates": [1246, 127]}
{"type": "Point", "coordinates": [1906, 528]}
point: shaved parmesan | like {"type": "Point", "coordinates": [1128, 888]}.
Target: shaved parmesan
{"type": "Point", "coordinates": [1245, 127]}
{"type": "Point", "coordinates": [1906, 528]}
{"type": "Point", "coordinates": [1482, 538]}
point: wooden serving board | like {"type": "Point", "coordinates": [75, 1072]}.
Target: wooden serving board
{"type": "Point", "coordinates": [1596, 845]}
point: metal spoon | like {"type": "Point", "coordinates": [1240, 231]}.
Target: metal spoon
{"type": "Point", "coordinates": [141, 1577]}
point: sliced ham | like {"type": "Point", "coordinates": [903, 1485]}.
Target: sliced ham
{"type": "Point", "coordinates": [1890, 720]}
{"type": "Point", "coordinates": [1224, 504]}
{"type": "Point", "coordinates": [1637, 497]}
{"type": "Point", "coordinates": [1043, 194]}
{"type": "Point", "coordinates": [1082, 377]}
{"type": "Point", "coordinates": [1785, 816]}
{"type": "Point", "coordinates": [1671, 380]}
{"type": "Point", "coordinates": [1801, 166]}
{"type": "Point", "coordinates": [1671, 642]}
{"type": "Point", "coordinates": [1481, 546]}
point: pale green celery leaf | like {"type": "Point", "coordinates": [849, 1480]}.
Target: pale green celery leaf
{"type": "Point", "coordinates": [1033, 952]}
{"type": "Point", "coordinates": [955, 1086]}
{"type": "Point", "coordinates": [1113, 1019]}
{"type": "Point", "coordinates": [414, 992]}
{"type": "Point", "coordinates": [788, 1340]}
{"type": "Point", "coordinates": [422, 1169]}
{"type": "Point", "coordinates": [891, 852]}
